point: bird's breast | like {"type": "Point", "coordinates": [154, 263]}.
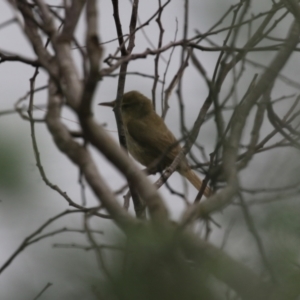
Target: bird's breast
{"type": "Point", "coordinates": [139, 152]}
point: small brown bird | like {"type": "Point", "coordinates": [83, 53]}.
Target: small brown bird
{"type": "Point", "coordinates": [148, 138]}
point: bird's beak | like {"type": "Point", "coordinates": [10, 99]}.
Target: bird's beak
{"type": "Point", "coordinates": [110, 104]}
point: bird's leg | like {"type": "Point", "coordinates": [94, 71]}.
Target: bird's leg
{"type": "Point", "coordinates": [153, 168]}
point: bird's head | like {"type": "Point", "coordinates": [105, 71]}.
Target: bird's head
{"type": "Point", "coordinates": [134, 105]}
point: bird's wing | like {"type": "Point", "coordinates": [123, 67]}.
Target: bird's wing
{"type": "Point", "coordinates": [153, 135]}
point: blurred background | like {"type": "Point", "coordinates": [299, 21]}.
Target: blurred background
{"type": "Point", "coordinates": [26, 202]}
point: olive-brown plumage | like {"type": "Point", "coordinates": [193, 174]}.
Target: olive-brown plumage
{"type": "Point", "coordinates": [148, 138]}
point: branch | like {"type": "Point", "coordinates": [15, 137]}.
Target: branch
{"type": "Point", "coordinates": [71, 20]}
{"type": "Point", "coordinates": [137, 201]}
{"type": "Point", "coordinates": [237, 276]}
{"type": "Point", "coordinates": [27, 241]}
{"type": "Point", "coordinates": [15, 57]}
{"type": "Point", "coordinates": [82, 158]}
{"type": "Point", "coordinates": [231, 147]}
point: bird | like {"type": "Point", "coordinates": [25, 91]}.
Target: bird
{"type": "Point", "coordinates": [148, 138]}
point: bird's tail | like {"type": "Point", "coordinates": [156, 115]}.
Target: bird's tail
{"type": "Point", "coordinates": [193, 178]}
